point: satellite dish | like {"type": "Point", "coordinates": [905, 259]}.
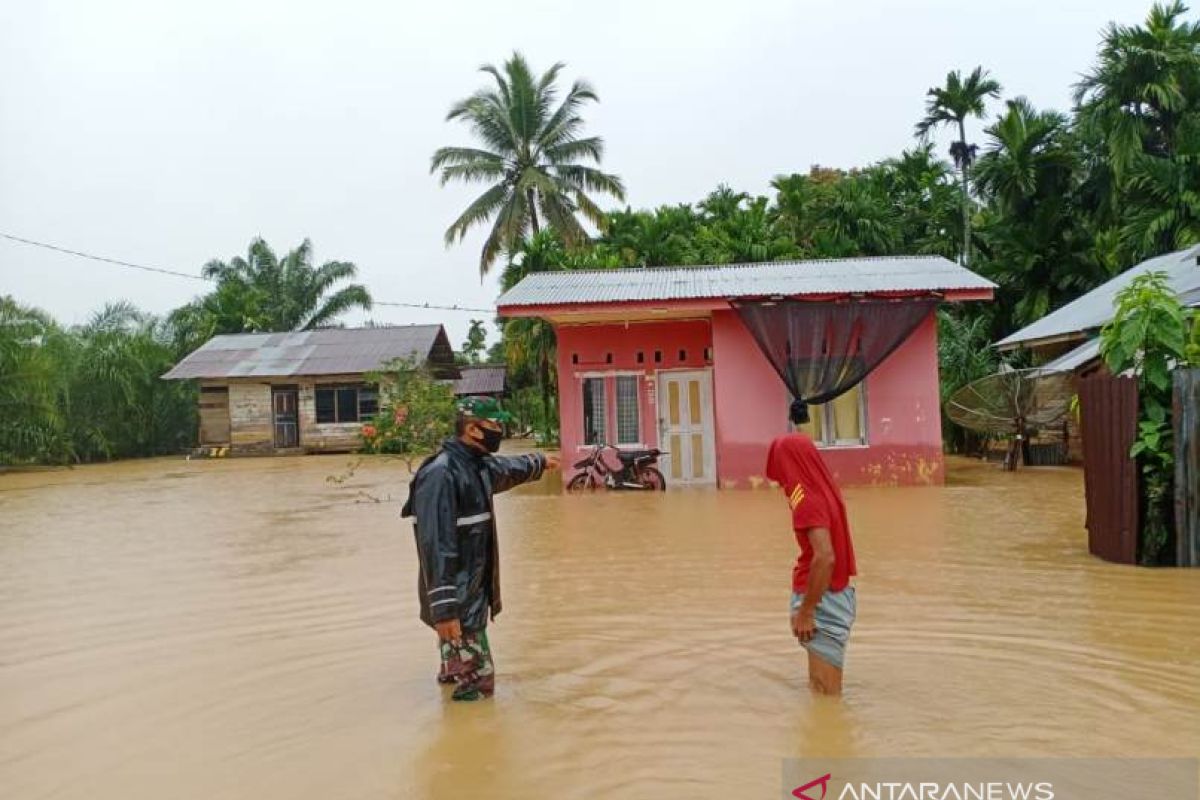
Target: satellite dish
{"type": "Point", "coordinates": [1011, 403]}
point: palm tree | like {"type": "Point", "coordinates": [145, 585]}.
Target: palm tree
{"type": "Point", "coordinates": [951, 105]}
{"type": "Point", "coordinates": [1163, 209]}
{"type": "Point", "coordinates": [1146, 82]}
{"type": "Point", "coordinates": [923, 191]}
{"type": "Point", "coordinates": [1028, 158]}
{"type": "Point", "coordinates": [476, 342]}
{"type": "Point", "coordinates": [31, 382]}
{"type": "Point", "coordinates": [663, 237]}
{"type": "Point", "coordinates": [531, 154]}
{"type": "Point", "coordinates": [1036, 246]}
{"type": "Point", "coordinates": [262, 292]}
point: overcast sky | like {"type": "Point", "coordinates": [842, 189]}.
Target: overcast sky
{"type": "Point", "coordinates": [170, 133]}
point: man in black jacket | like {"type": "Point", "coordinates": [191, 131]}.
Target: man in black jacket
{"type": "Point", "coordinates": [451, 498]}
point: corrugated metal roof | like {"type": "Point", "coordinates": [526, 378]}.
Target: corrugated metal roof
{"type": "Point", "coordinates": [488, 379]}
{"type": "Point", "coordinates": [1095, 308]}
{"type": "Point", "coordinates": [330, 351]}
{"type": "Point", "coordinates": [787, 278]}
{"type": "Point", "coordinates": [1074, 359]}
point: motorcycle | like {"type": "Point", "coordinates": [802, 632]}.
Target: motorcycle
{"type": "Point", "coordinates": [637, 470]}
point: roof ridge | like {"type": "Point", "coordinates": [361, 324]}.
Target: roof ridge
{"type": "Point", "coordinates": [358, 329]}
{"type": "Point", "coordinates": [741, 264]}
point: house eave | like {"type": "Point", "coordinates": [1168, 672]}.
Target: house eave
{"type": "Point", "coordinates": [1045, 341]}
{"type": "Point", "coordinates": [649, 310]}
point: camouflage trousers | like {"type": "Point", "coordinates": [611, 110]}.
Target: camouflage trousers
{"type": "Point", "coordinates": [467, 663]}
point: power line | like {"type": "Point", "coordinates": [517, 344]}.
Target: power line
{"type": "Point", "coordinates": [190, 276]}
{"type": "Point", "coordinates": [142, 267]}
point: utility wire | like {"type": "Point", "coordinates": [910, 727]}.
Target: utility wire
{"type": "Point", "coordinates": [58, 249]}
{"type": "Point", "coordinates": [190, 276]}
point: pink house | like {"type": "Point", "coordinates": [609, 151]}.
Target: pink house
{"type": "Point", "coordinates": [662, 358]}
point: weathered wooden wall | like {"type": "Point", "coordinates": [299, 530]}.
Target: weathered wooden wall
{"type": "Point", "coordinates": [214, 415]}
{"type": "Point", "coordinates": [1187, 467]}
{"type": "Point", "coordinates": [250, 423]}
{"type": "Point", "coordinates": [1108, 410]}
{"type": "Point", "coordinates": [243, 418]}
{"type": "Point", "coordinates": [329, 437]}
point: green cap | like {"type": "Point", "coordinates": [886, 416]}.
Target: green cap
{"type": "Point", "coordinates": [483, 408]}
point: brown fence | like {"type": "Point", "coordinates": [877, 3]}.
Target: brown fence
{"type": "Point", "coordinates": [1108, 409]}
{"type": "Point", "coordinates": [1187, 467]}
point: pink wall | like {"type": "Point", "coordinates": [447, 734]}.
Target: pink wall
{"type": "Point", "coordinates": [584, 349]}
{"type": "Point", "coordinates": [750, 402]}
{"type": "Point", "coordinates": [903, 412]}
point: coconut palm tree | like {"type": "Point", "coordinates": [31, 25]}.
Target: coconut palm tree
{"type": "Point", "coordinates": [531, 155]}
{"type": "Point", "coordinates": [951, 105]}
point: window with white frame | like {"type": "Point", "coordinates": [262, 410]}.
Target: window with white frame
{"type": "Point", "coordinates": [628, 428]}
{"type": "Point", "coordinates": [594, 414]}
{"type": "Point", "coordinates": [842, 422]}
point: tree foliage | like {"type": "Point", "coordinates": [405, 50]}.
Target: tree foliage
{"type": "Point", "coordinates": [93, 392]}
{"type": "Point", "coordinates": [261, 292]}
{"type": "Point", "coordinates": [416, 412]}
{"type": "Point", "coordinates": [1149, 336]}
{"type": "Point", "coordinates": [533, 158]}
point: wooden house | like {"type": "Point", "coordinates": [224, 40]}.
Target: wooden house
{"type": "Point", "coordinates": [490, 380]}
{"type": "Point", "coordinates": [303, 391]}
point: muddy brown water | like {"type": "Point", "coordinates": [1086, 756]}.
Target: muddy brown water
{"type": "Point", "coordinates": [247, 629]}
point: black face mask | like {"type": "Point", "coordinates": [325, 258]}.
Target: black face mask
{"type": "Point", "coordinates": [491, 439]}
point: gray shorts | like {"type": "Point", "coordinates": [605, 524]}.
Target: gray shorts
{"type": "Point", "coordinates": [834, 616]}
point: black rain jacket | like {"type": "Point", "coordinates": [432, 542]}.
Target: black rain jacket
{"type": "Point", "coordinates": [451, 498]}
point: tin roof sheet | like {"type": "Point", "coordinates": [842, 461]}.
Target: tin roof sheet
{"type": "Point", "coordinates": [786, 278]}
{"type": "Point", "coordinates": [1095, 308]}
{"type": "Point", "coordinates": [329, 351]}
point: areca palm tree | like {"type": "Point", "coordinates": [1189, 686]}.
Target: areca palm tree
{"type": "Point", "coordinates": [951, 105]}
{"type": "Point", "coordinates": [531, 156]}
{"type": "Point", "coordinates": [1028, 157]}
{"type": "Point", "coordinates": [924, 194]}
{"type": "Point", "coordinates": [1164, 197]}
{"type": "Point", "coordinates": [1146, 82]}
{"type": "Point", "coordinates": [1036, 246]}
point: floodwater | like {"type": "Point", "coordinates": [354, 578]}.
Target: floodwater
{"type": "Point", "coordinates": [248, 629]}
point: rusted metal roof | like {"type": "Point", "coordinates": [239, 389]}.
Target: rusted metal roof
{"type": "Point", "coordinates": [330, 351]}
{"type": "Point", "coordinates": [1070, 361]}
{"type": "Point", "coordinates": [784, 278]}
{"type": "Point", "coordinates": [1092, 310]}
{"type": "Point", "coordinates": [486, 379]}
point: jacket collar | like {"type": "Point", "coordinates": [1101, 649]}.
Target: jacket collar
{"type": "Point", "coordinates": [457, 448]}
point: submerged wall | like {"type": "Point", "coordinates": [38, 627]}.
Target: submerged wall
{"type": "Point", "coordinates": [641, 348]}
{"type": "Point", "coordinates": [251, 417]}
{"type": "Point", "coordinates": [903, 416]}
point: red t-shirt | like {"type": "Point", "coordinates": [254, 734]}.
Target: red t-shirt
{"type": "Point", "coordinates": [809, 510]}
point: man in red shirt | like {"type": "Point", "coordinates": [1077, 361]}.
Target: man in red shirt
{"type": "Point", "coordinates": [823, 603]}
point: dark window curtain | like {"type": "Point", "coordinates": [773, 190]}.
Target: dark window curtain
{"type": "Point", "coordinates": [823, 349]}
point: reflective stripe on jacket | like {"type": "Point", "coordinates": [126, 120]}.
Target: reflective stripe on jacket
{"type": "Point", "coordinates": [455, 528]}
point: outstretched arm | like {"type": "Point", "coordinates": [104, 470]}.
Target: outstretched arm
{"type": "Point", "coordinates": [509, 471]}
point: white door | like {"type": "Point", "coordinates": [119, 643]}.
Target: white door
{"type": "Point", "coordinates": [685, 424]}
